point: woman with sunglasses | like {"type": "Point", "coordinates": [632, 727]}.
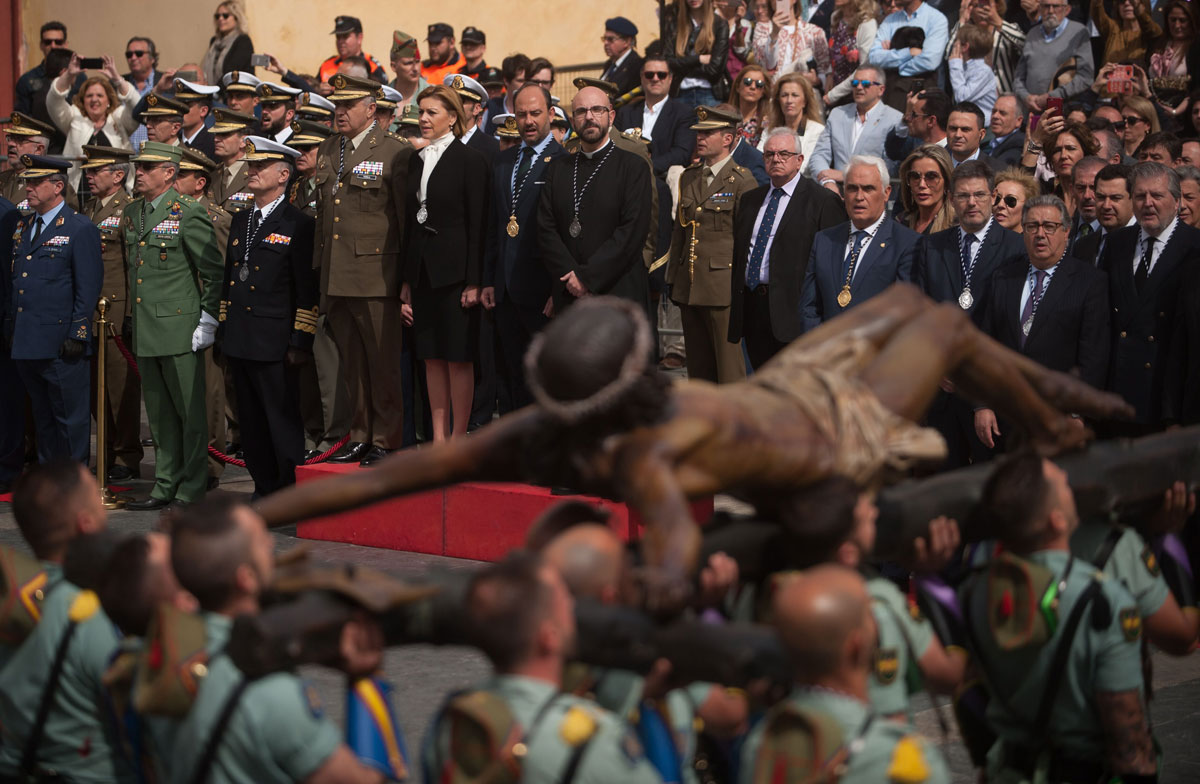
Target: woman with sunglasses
{"type": "Point", "coordinates": [851, 32]}
{"type": "Point", "coordinates": [924, 182]}
{"type": "Point", "coordinates": [230, 47]}
{"type": "Point", "coordinates": [794, 105]}
{"type": "Point", "coordinates": [1014, 187]}
{"type": "Point", "coordinates": [696, 40]}
{"type": "Point", "coordinates": [1138, 120]}
{"type": "Point", "coordinates": [752, 97]}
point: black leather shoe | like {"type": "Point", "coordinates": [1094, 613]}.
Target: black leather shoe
{"type": "Point", "coordinates": [373, 456]}
{"type": "Point", "coordinates": [351, 453]}
{"type": "Point", "coordinates": [214, 482]}
{"type": "Point", "coordinates": [148, 504]}
{"type": "Point", "coordinates": [148, 442]}
{"type": "Point", "coordinates": [312, 454]}
{"type": "Point", "coordinates": [120, 473]}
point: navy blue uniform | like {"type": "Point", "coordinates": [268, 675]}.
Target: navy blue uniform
{"type": "Point", "coordinates": [12, 391]}
{"type": "Point", "coordinates": [52, 292]}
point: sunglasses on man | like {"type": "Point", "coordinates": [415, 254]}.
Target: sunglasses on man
{"type": "Point", "coordinates": [865, 83]}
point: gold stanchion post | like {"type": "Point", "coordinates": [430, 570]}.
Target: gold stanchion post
{"type": "Point", "coordinates": [106, 495]}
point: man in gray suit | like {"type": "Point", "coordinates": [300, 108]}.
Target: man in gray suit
{"type": "Point", "coordinates": [855, 129]}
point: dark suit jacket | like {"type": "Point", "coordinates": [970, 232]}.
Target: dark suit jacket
{"type": "Point", "coordinates": [614, 218]}
{"type": "Point", "coordinates": [203, 143]}
{"type": "Point", "coordinates": [673, 139]}
{"type": "Point", "coordinates": [1088, 248]}
{"type": "Point", "coordinates": [1142, 324]}
{"type": "Point", "coordinates": [1181, 398]}
{"type": "Point", "coordinates": [1071, 327]}
{"type": "Point", "coordinates": [1009, 151]}
{"type": "Point", "coordinates": [627, 75]}
{"type": "Point", "coordinates": [485, 144]}
{"type": "Point", "coordinates": [9, 216]}
{"type": "Point", "coordinates": [513, 264]}
{"type": "Point", "coordinates": [938, 266]}
{"type": "Point", "coordinates": [811, 209]}
{"type": "Point", "coordinates": [449, 245]}
{"type": "Point", "coordinates": [274, 307]}
{"type": "Point", "coordinates": [888, 258]}
{"type": "Point", "coordinates": [745, 154]}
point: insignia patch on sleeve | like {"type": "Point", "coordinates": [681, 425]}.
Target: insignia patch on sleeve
{"type": "Point", "coordinates": [1151, 561]}
{"type": "Point", "coordinates": [886, 665]}
{"type": "Point", "coordinates": [314, 702]}
{"type": "Point", "coordinates": [1131, 623]}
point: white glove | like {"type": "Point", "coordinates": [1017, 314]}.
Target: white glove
{"type": "Point", "coordinates": [206, 332]}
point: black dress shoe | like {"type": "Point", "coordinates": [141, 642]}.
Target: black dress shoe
{"type": "Point", "coordinates": [351, 453]}
{"type": "Point", "coordinates": [375, 454]}
{"type": "Point", "coordinates": [147, 504]}
{"type": "Point", "coordinates": [120, 473]}
{"type": "Point", "coordinates": [214, 482]}
{"type": "Point", "coordinates": [312, 454]}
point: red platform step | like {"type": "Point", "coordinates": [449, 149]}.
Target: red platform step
{"type": "Point", "coordinates": [478, 520]}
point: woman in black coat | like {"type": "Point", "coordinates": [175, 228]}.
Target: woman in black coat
{"type": "Point", "coordinates": [230, 48]}
{"type": "Point", "coordinates": [696, 43]}
{"type": "Point", "coordinates": [443, 262]}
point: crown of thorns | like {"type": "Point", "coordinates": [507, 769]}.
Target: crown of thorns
{"type": "Point", "coordinates": [571, 411]}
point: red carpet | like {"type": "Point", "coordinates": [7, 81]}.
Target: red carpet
{"type": "Point", "coordinates": [482, 521]}
{"type": "Point", "coordinates": [7, 497]}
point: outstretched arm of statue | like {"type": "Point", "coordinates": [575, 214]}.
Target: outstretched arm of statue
{"type": "Point", "coordinates": [490, 454]}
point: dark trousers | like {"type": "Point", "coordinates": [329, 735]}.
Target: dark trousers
{"type": "Point", "coordinates": [272, 430]}
{"type": "Point", "coordinates": [59, 391]}
{"type": "Point", "coordinates": [516, 325]}
{"type": "Point", "coordinates": [487, 386]}
{"type": "Point", "coordinates": [761, 343]}
{"type": "Point", "coordinates": [12, 419]}
{"type": "Point", "coordinates": [954, 417]}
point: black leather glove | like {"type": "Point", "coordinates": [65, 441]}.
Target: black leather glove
{"type": "Point", "coordinates": [127, 332]}
{"type": "Point", "coordinates": [72, 350]}
{"type": "Point", "coordinates": [295, 357]}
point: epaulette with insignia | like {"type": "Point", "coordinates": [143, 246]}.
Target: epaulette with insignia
{"type": "Point", "coordinates": [22, 584]}
{"type": "Point", "coordinates": [635, 137]}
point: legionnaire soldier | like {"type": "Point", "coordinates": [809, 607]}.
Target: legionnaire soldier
{"type": "Point", "coordinates": [26, 136]}
{"type": "Point", "coordinates": [269, 316]}
{"type": "Point", "coordinates": [324, 401]}
{"type": "Point", "coordinates": [1057, 641]}
{"type": "Point", "coordinates": [361, 174]}
{"type": "Point", "coordinates": [826, 729]}
{"type": "Point", "coordinates": [701, 259]}
{"type": "Point", "coordinates": [174, 278]}
{"type": "Point", "coordinates": [228, 188]}
{"type": "Point", "coordinates": [525, 619]}
{"type": "Point", "coordinates": [55, 280]}
{"type": "Point", "coordinates": [107, 170]}
{"type": "Point", "coordinates": [196, 173]}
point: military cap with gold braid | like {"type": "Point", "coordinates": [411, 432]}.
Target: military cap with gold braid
{"type": "Point", "coordinates": [351, 88]}
{"type": "Point", "coordinates": [590, 81]}
{"type": "Point", "coordinates": [98, 157]}
{"type": "Point", "coordinates": [467, 88]}
{"type": "Point", "coordinates": [240, 81]}
{"type": "Point", "coordinates": [190, 91]}
{"type": "Point", "coordinates": [388, 98]}
{"type": "Point", "coordinates": [38, 166]}
{"type": "Point", "coordinates": [162, 106]}
{"type": "Point", "coordinates": [259, 148]}
{"type": "Point", "coordinates": [314, 105]}
{"type": "Point", "coordinates": [193, 160]}
{"type": "Point", "coordinates": [24, 125]}
{"type": "Point", "coordinates": [157, 152]}
{"type": "Point", "coordinates": [306, 133]}
{"type": "Point", "coordinates": [506, 126]}
{"type": "Point", "coordinates": [709, 118]}
{"type": "Point", "coordinates": [270, 92]}
{"type": "Point", "coordinates": [230, 121]}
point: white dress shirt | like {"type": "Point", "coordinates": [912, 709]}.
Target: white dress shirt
{"type": "Point", "coordinates": [1160, 242]}
{"type": "Point", "coordinates": [650, 115]}
{"type": "Point", "coordinates": [430, 155]}
{"type": "Point", "coordinates": [1027, 292]}
{"type": "Point", "coordinates": [788, 189]}
{"type": "Point", "coordinates": [862, 251]}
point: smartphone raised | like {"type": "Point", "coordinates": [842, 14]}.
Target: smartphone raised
{"type": "Point", "coordinates": [91, 63]}
{"type": "Point", "coordinates": [187, 76]}
{"type": "Point", "coordinates": [1054, 103]}
{"type": "Point", "coordinates": [260, 60]}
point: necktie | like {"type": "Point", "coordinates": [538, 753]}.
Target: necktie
{"type": "Point", "coordinates": [1084, 230]}
{"type": "Point", "coordinates": [1027, 311]}
{"type": "Point", "coordinates": [37, 230]}
{"type": "Point", "coordinates": [967, 241]}
{"type": "Point", "coordinates": [708, 176]}
{"type": "Point", "coordinates": [1143, 269]}
{"type": "Point", "coordinates": [257, 220]}
{"type": "Point", "coordinates": [525, 162]}
{"type": "Point", "coordinates": [754, 268]}
{"type": "Point", "coordinates": [852, 260]}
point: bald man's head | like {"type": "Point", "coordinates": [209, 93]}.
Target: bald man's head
{"type": "Point", "coordinates": [591, 114]}
{"type": "Point", "coordinates": [823, 616]}
{"type": "Point", "coordinates": [591, 560]}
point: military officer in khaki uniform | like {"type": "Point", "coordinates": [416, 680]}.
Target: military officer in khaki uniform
{"type": "Point", "coordinates": [26, 136]}
{"type": "Point", "coordinates": [228, 188]}
{"type": "Point", "coordinates": [361, 175]}
{"type": "Point", "coordinates": [324, 400]}
{"type": "Point", "coordinates": [196, 173]}
{"type": "Point", "coordinates": [107, 169]}
{"type": "Point", "coordinates": [701, 258]}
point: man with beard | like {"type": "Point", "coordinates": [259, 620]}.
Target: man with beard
{"type": "Point", "coordinates": [278, 104]}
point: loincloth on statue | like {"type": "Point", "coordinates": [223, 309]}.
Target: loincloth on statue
{"type": "Point", "coordinates": [822, 379]}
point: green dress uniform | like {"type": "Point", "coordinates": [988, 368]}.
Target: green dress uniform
{"type": "Point", "coordinates": [76, 742]}
{"type": "Point", "coordinates": [879, 750]}
{"type": "Point", "coordinates": [701, 264]}
{"type": "Point", "coordinates": [123, 390]}
{"type": "Point", "coordinates": [175, 272]}
{"type": "Point", "coordinates": [555, 725]}
{"type": "Point", "coordinates": [904, 637]}
{"type": "Point", "coordinates": [1104, 657]}
{"type": "Point", "coordinates": [275, 734]}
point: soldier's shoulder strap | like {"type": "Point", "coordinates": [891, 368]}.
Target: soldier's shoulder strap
{"type": "Point", "coordinates": [804, 744]}
{"type": "Point", "coordinates": [22, 591]}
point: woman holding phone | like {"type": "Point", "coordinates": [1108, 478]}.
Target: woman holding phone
{"type": "Point", "coordinates": [100, 113]}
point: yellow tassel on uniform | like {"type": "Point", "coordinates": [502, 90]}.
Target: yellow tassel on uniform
{"type": "Point", "coordinates": [577, 726]}
{"type": "Point", "coordinates": [86, 605]}
{"type": "Point", "coordinates": [908, 764]}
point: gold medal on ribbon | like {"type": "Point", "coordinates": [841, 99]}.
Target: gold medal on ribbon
{"type": "Point", "coordinates": [843, 297]}
{"type": "Point", "coordinates": [514, 228]}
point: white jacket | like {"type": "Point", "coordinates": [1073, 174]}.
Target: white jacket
{"type": "Point", "coordinates": [79, 129]}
